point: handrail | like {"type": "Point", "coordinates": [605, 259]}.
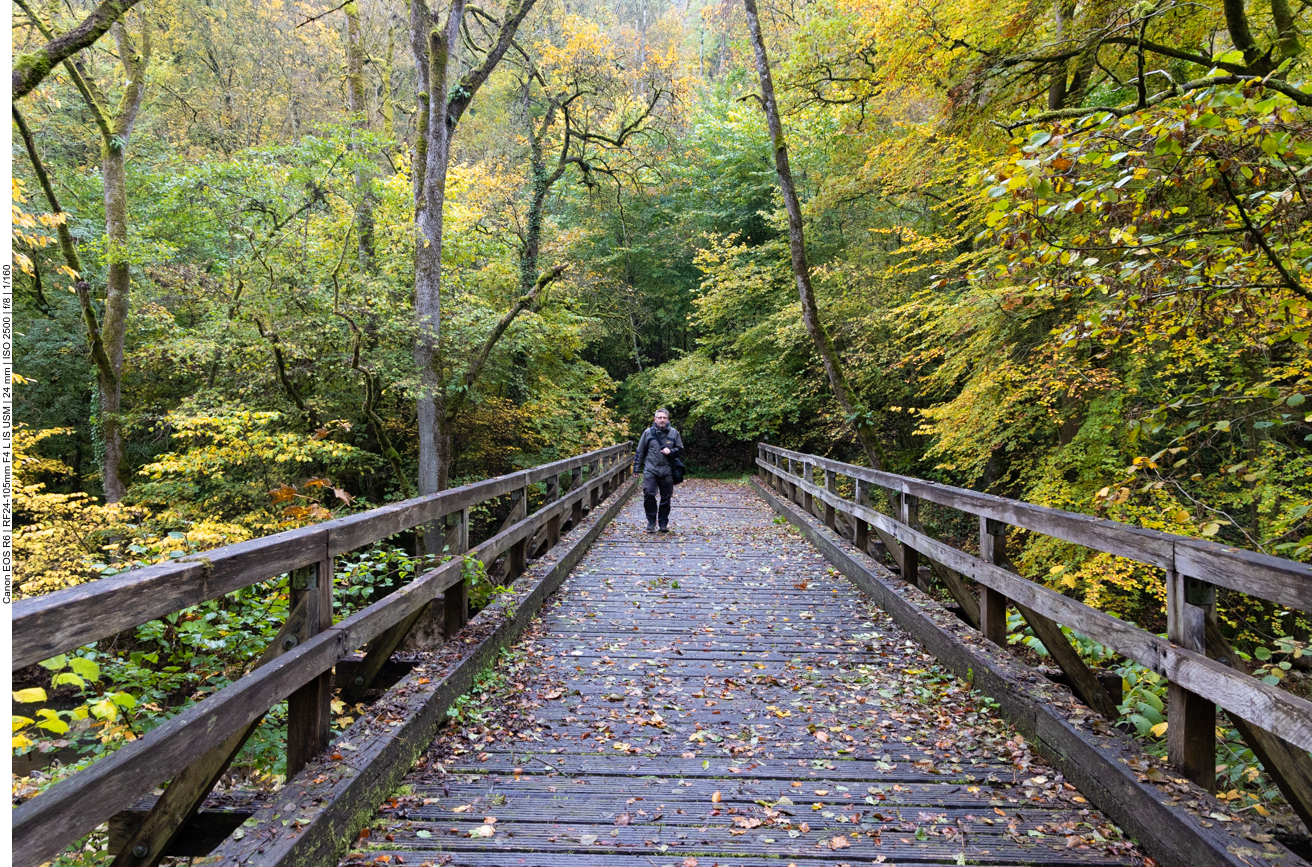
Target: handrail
{"type": "Point", "coordinates": [1275, 579]}
{"type": "Point", "coordinates": [71, 808]}
{"type": "Point", "coordinates": [1180, 659]}
{"type": "Point", "coordinates": [47, 625]}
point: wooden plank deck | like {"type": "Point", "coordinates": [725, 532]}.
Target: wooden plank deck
{"type": "Point", "coordinates": [721, 696]}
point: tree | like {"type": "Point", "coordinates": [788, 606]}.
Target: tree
{"type": "Point", "coordinates": [581, 109]}
{"type": "Point", "coordinates": [30, 69]}
{"type": "Point", "coordinates": [435, 52]}
{"type": "Point", "coordinates": [106, 335]}
{"type": "Point", "coordinates": [856, 413]}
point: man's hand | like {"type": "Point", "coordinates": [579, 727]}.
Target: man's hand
{"type": "Point", "coordinates": [665, 451]}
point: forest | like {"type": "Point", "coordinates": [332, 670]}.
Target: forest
{"type": "Point", "coordinates": [277, 262]}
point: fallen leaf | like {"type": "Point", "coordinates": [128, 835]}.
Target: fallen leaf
{"type": "Point", "coordinates": [715, 798]}
{"type": "Point", "coordinates": [838, 843]}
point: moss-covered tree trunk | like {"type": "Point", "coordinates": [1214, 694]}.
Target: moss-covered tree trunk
{"type": "Point", "coordinates": [118, 281]}
{"type": "Point", "coordinates": [439, 113]}
{"type": "Point", "coordinates": [824, 346]}
{"type": "Point", "coordinates": [359, 108]}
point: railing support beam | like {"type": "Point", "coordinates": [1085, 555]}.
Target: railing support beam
{"type": "Point", "coordinates": [1191, 719]}
{"type": "Point", "coordinates": [992, 604]}
{"type": "Point", "coordinates": [309, 709]}
{"type": "Point", "coordinates": [186, 792]}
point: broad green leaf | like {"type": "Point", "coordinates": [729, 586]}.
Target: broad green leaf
{"type": "Point", "coordinates": [67, 677]}
{"type": "Point", "coordinates": [85, 667]}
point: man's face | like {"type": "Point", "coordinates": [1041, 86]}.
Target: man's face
{"type": "Point", "coordinates": [662, 420]}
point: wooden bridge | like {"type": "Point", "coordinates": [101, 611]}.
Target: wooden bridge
{"type": "Point", "coordinates": [744, 691]}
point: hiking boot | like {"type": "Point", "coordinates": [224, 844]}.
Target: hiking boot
{"type": "Point", "coordinates": [651, 526]}
{"type": "Point", "coordinates": [665, 528]}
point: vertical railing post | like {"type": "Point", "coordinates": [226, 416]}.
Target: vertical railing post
{"type": "Point", "coordinates": [1191, 729]}
{"type": "Point", "coordinates": [793, 473]}
{"type": "Point", "coordinates": [831, 486]}
{"type": "Point", "coordinates": [576, 510]}
{"type": "Point", "coordinates": [594, 497]}
{"type": "Point", "coordinates": [992, 604]}
{"type": "Point", "coordinates": [309, 709]}
{"type": "Point", "coordinates": [910, 556]}
{"type": "Point", "coordinates": [455, 599]}
{"type": "Point", "coordinates": [517, 557]}
{"type": "Point", "coordinates": [553, 523]}
{"type": "Point", "coordinates": [861, 536]}
{"type": "Point", "coordinates": [808, 502]}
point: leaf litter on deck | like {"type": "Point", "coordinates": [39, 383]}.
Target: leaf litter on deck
{"type": "Point", "coordinates": [721, 695]}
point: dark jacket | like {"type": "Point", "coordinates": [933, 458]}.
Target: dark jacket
{"type": "Point", "coordinates": [648, 458]}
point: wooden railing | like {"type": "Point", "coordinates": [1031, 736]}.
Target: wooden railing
{"type": "Point", "coordinates": [1193, 569]}
{"type": "Point", "coordinates": [193, 749]}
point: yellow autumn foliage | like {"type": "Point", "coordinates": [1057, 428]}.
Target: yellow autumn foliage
{"type": "Point", "coordinates": [63, 540]}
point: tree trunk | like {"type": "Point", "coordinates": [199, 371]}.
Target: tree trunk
{"type": "Point", "coordinates": [856, 414]}
{"type": "Point", "coordinates": [439, 113]}
{"type": "Point", "coordinates": [114, 330]}
{"type": "Point", "coordinates": [355, 98]}
{"type": "Point", "coordinates": [118, 283]}
{"type": "Point", "coordinates": [1236, 22]}
{"type": "Point", "coordinates": [429, 199]}
{"type": "Point", "coordinates": [1057, 81]}
{"type": "Point", "coordinates": [1286, 29]}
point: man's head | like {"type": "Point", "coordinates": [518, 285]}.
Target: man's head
{"type": "Point", "coordinates": [662, 418]}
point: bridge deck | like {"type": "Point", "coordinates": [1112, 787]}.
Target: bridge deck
{"type": "Point", "coordinates": [677, 686]}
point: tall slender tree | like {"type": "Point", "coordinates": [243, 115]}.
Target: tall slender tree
{"type": "Point", "coordinates": [107, 333]}
{"type": "Point", "coordinates": [441, 106]}
{"type": "Point", "coordinates": [856, 414]}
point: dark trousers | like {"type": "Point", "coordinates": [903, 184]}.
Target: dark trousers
{"type": "Point", "coordinates": [651, 485]}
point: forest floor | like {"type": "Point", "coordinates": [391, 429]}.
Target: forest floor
{"type": "Point", "coordinates": [720, 695]}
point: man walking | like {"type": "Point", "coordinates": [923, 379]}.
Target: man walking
{"type": "Point", "coordinates": [654, 459]}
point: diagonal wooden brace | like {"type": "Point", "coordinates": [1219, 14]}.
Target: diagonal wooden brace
{"type": "Point", "coordinates": [188, 790]}
{"type": "Point", "coordinates": [1290, 768]}
{"type": "Point", "coordinates": [952, 580]}
{"type": "Point", "coordinates": [1086, 685]}
{"type": "Point", "coordinates": [376, 655]}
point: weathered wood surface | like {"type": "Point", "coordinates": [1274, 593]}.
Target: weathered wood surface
{"type": "Point", "coordinates": [1265, 706]}
{"type": "Point", "coordinates": [56, 622]}
{"type": "Point", "coordinates": [1272, 578]}
{"type": "Point", "coordinates": [46, 824]}
{"type": "Point", "coordinates": [678, 684]}
{"type": "Point", "coordinates": [1179, 823]}
{"type": "Point", "coordinates": [320, 811]}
